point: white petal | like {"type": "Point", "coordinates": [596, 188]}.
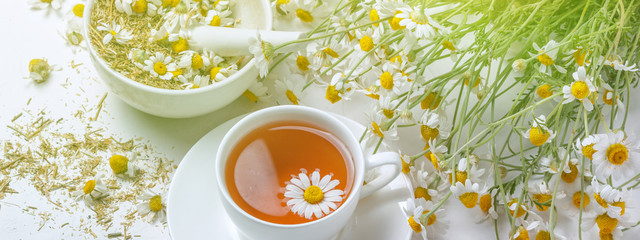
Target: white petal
{"type": "Point", "coordinates": [315, 178]}
{"type": "Point", "coordinates": [331, 185]}
{"type": "Point", "coordinates": [305, 180]}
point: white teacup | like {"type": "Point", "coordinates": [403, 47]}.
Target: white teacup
{"type": "Point", "coordinates": [328, 226]}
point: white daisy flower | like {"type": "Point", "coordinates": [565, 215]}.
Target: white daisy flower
{"type": "Point", "coordinates": [610, 199]}
{"type": "Point", "coordinates": [262, 53]}
{"type": "Point", "coordinates": [466, 169]}
{"type": "Point", "coordinates": [580, 89]}
{"type": "Point", "coordinates": [577, 55]}
{"type": "Point", "coordinates": [289, 90]}
{"type": "Point", "coordinates": [153, 204]}
{"type": "Point", "coordinates": [115, 31]}
{"type": "Point", "coordinates": [616, 155]}
{"type": "Point", "coordinates": [379, 128]}
{"type": "Point", "coordinates": [542, 195]}
{"type": "Point", "coordinates": [307, 12]}
{"type": "Point", "coordinates": [433, 125]}
{"type": "Point", "coordinates": [182, 16]}
{"type": "Point", "coordinates": [160, 66]}
{"type": "Point", "coordinates": [487, 209]}
{"type": "Point", "coordinates": [388, 79]}
{"type": "Point", "coordinates": [387, 106]}
{"type": "Point", "coordinates": [123, 166]}
{"type": "Point", "coordinates": [522, 232]}
{"type": "Point", "coordinates": [92, 190]}
{"type": "Point", "coordinates": [436, 153]}
{"type": "Point", "coordinates": [218, 74]}
{"type": "Point", "coordinates": [419, 22]}
{"type": "Point", "coordinates": [45, 4]}
{"type": "Point", "coordinates": [218, 18]}
{"type": "Point", "coordinates": [179, 41]}
{"type": "Point", "coordinates": [608, 225]}
{"type": "Point", "coordinates": [39, 70]}
{"type": "Point", "coordinates": [468, 193]}
{"type": "Point", "coordinates": [138, 7]}
{"type": "Point", "coordinates": [575, 196]}
{"type": "Point", "coordinates": [431, 227]}
{"type": "Point", "coordinates": [584, 147]}
{"type": "Point", "coordinates": [339, 88]}
{"type": "Point", "coordinates": [160, 35]}
{"type": "Point", "coordinates": [257, 92]}
{"type": "Point", "coordinates": [547, 56]}
{"type": "Point", "coordinates": [608, 96]}
{"type": "Point", "coordinates": [616, 62]}
{"type": "Point", "coordinates": [198, 81]}
{"type": "Point", "coordinates": [313, 196]}
{"type": "Point", "coordinates": [539, 133]}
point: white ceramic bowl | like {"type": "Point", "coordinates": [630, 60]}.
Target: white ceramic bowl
{"type": "Point", "coordinates": [185, 103]}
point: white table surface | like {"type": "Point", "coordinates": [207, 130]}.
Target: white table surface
{"type": "Point", "coordinates": [28, 34]}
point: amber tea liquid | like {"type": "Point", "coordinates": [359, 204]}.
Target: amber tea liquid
{"type": "Point", "coordinates": [263, 160]}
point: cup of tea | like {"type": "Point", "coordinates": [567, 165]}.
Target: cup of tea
{"type": "Point", "coordinates": [294, 172]}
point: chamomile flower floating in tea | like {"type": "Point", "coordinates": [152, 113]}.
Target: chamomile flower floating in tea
{"type": "Point", "coordinates": [313, 196]}
{"type": "Point", "coordinates": [91, 190]}
{"type": "Point", "coordinates": [153, 205]}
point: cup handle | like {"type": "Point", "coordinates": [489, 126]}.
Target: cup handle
{"type": "Point", "coordinates": [377, 160]}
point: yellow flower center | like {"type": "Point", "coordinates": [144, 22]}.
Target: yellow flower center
{"type": "Point", "coordinates": [280, 2]}
{"type": "Point", "coordinates": [538, 136]}
{"type": "Point", "coordinates": [215, 21]}
{"type": "Point", "coordinates": [160, 68]}
{"type": "Point", "coordinates": [213, 72]}
{"type": "Point", "coordinates": [421, 192]}
{"type": "Point", "coordinates": [523, 234]}
{"type": "Point", "coordinates": [46, 1]}
{"type": "Point", "coordinates": [252, 97]}
{"type": "Point", "coordinates": [406, 167]}
{"type": "Point", "coordinates": [414, 225]}
{"type": "Point", "coordinates": [448, 45]}
{"type": "Point", "coordinates": [545, 59]}
{"type": "Point", "coordinates": [176, 73]}
{"type": "Point", "coordinates": [469, 199]}
{"type": "Point", "coordinates": [475, 83]}
{"type": "Point", "coordinates": [332, 94]}
{"type": "Point", "coordinates": [140, 6]}
{"type": "Point", "coordinates": [433, 159]}
{"type": "Point", "coordinates": [173, 3]}
{"type": "Point", "coordinates": [366, 43]}
{"type": "Point", "coordinates": [605, 236]}
{"type": "Point", "coordinates": [78, 10]}
{"type": "Point", "coordinates": [396, 59]}
{"type": "Point", "coordinates": [395, 22]}
{"type": "Point", "coordinates": [431, 220]}
{"type": "Point", "coordinates": [485, 203]}
{"type": "Point", "coordinates": [118, 163]}
{"type": "Point", "coordinates": [386, 80]}
{"type": "Point", "coordinates": [196, 61]}
{"type": "Point", "coordinates": [599, 200]}
{"type": "Point", "coordinates": [377, 130]}
{"type": "Point", "coordinates": [521, 210]}
{"type": "Point", "coordinates": [579, 56]}
{"type": "Point", "coordinates": [543, 235]}
{"type": "Point", "coordinates": [580, 90]}
{"type": "Point", "coordinates": [373, 16]}
{"type": "Point", "coordinates": [113, 32]}
{"type": "Point", "coordinates": [304, 15]}
{"type": "Point", "coordinates": [38, 65]}
{"type": "Point", "coordinates": [608, 98]}
{"type": "Point", "coordinates": [313, 194]}
{"type": "Point", "coordinates": [89, 186]}
{"type": "Point", "coordinates": [617, 154]}
{"type": "Point", "coordinates": [432, 101]}
{"type": "Point", "coordinates": [302, 62]}
{"type": "Point", "coordinates": [330, 52]}
{"type": "Point", "coordinates": [180, 45]}
{"type": "Point", "coordinates": [544, 91]}
{"type": "Point", "coordinates": [389, 113]}
{"type": "Point", "coordinates": [155, 203]}
{"type": "Point", "coordinates": [419, 17]}
{"type": "Point", "coordinates": [571, 176]}
{"type": "Point", "coordinates": [292, 97]}
{"type": "Point", "coordinates": [429, 133]}
{"type": "Point", "coordinates": [576, 199]}
{"type": "Point", "coordinates": [606, 224]}
{"type": "Point", "coordinates": [461, 177]}
{"type": "Point", "coordinates": [542, 200]}
{"type": "Point", "coordinates": [588, 151]}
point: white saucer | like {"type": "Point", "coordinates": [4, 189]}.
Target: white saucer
{"type": "Point", "coordinates": [194, 210]}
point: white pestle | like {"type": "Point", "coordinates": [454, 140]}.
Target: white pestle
{"type": "Point", "coordinates": [226, 41]}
